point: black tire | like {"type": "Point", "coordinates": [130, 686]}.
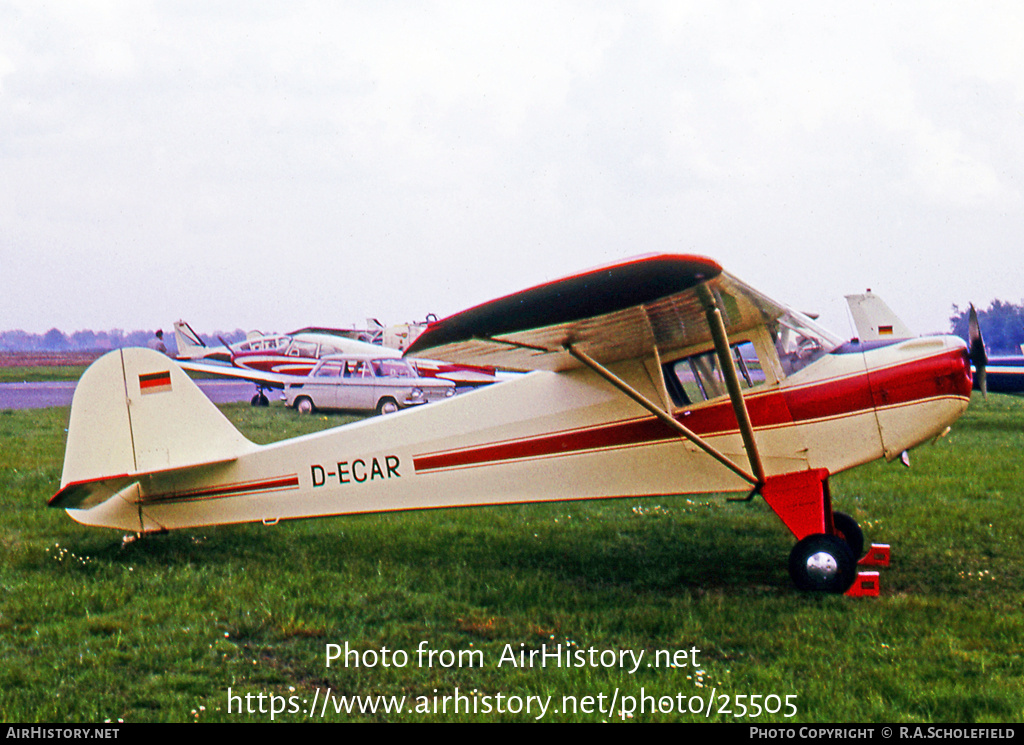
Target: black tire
{"type": "Point", "coordinates": [264, 401]}
{"type": "Point", "coordinates": [387, 406]}
{"type": "Point", "coordinates": [848, 529]}
{"type": "Point", "coordinates": [304, 405]}
{"type": "Point", "coordinates": [255, 400]}
{"type": "Point", "coordinates": [822, 563]}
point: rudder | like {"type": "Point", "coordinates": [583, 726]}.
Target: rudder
{"type": "Point", "coordinates": [136, 411]}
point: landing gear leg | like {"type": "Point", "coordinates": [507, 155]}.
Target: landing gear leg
{"type": "Point", "coordinates": [829, 544]}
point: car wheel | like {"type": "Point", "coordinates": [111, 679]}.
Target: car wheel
{"type": "Point", "coordinates": [387, 406]}
{"type": "Point", "coordinates": [304, 405]}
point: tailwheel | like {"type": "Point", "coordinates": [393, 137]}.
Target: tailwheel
{"type": "Point", "coordinates": [848, 529]}
{"type": "Point", "coordinates": [822, 563]}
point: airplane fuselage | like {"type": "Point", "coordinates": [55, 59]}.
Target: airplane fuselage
{"type": "Point", "coordinates": [565, 436]}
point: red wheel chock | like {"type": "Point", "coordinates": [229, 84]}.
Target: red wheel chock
{"type": "Point", "coordinates": [866, 584]}
{"type": "Point", "coordinates": [877, 556]}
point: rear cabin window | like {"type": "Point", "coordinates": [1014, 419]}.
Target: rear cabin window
{"type": "Point", "coordinates": [699, 377]}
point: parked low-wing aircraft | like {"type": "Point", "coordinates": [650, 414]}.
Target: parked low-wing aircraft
{"type": "Point", "coordinates": [1005, 374]}
{"type": "Point", "coordinates": [270, 361]}
{"type": "Point", "coordinates": [273, 352]}
{"type": "Point", "coordinates": [191, 346]}
{"type": "Point", "coordinates": [656, 375]}
{"type": "Point", "coordinates": [999, 374]}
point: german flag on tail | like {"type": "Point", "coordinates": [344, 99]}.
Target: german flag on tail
{"type": "Point", "coordinates": [155, 382]}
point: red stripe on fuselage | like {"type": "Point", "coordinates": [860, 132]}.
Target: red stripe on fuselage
{"type": "Point", "coordinates": [937, 376]}
{"type": "Point", "coordinates": [280, 483]}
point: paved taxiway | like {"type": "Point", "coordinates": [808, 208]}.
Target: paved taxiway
{"type": "Point", "coordinates": [43, 395]}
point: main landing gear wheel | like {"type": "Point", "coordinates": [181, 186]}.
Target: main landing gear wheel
{"type": "Point", "coordinates": [259, 399]}
{"type": "Point", "coordinates": [822, 563]}
{"type": "Point", "coordinates": [848, 529]}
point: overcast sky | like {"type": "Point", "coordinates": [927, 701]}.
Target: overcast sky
{"type": "Point", "coordinates": [279, 164]}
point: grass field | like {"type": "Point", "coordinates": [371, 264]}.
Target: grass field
{"type": "Point", "coordinates": [159, 629]}
{"type": "Point", "coordinates": [40, 373]}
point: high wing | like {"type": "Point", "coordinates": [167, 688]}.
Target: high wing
{"type": "Point", "coordinates": [266, 379]}
{"type": "Point", "coordinates": [615, 312]}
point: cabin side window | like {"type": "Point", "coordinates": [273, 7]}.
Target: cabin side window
{"type": "Point", "coordinates": [699, 377]}
{"type": "Point", "coordinates": [302, 349]}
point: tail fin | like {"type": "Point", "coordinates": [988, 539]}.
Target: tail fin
{"type": "Point", "coordinates": [190, 344]}
{"type": "Point", "coordinates": [134, 412]}
{"type": "Point", "coordinates": [874, 320]}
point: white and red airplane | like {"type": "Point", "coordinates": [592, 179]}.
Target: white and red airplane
{"type": "Point", "coordinates": [657, 375]}
{"type": "Point", "coordinates": [259, 351]}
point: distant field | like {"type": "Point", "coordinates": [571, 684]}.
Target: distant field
{"type": "Point", "coordinates": [161, 628]}
{"type": "Point", "coordinates": [32, 367]}
{"type": "Point", "coordinates": [48, 359]}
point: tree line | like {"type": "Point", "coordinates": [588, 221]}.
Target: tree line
{"type": "Point", "coordinates": [56, 340]}
{"type": "Point", "coordinates": [1002, 326]}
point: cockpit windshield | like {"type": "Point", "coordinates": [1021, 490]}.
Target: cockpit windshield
{"type": "Point", "coordinates": [799, 341]}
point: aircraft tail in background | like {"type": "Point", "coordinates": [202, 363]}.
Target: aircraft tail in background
{"type": "Point", "coordinates": [874, 320]}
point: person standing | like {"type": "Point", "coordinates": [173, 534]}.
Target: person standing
{"type": "Point", "coordinates": [157, 342]}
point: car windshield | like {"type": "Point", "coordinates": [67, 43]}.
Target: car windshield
{"type": "Point", "coordinates": [393, 369]}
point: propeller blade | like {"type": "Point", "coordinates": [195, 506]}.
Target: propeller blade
{"type": "Point", "coordinates": [979, 358]}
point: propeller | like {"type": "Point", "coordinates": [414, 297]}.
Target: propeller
{"type": "Point", "coordinates": [977, 350]}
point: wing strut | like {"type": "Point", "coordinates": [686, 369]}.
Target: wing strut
{"type": "Point", "coordinates": [732, 381]}
{"type": "Point", "coordinates": [660, 413]}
